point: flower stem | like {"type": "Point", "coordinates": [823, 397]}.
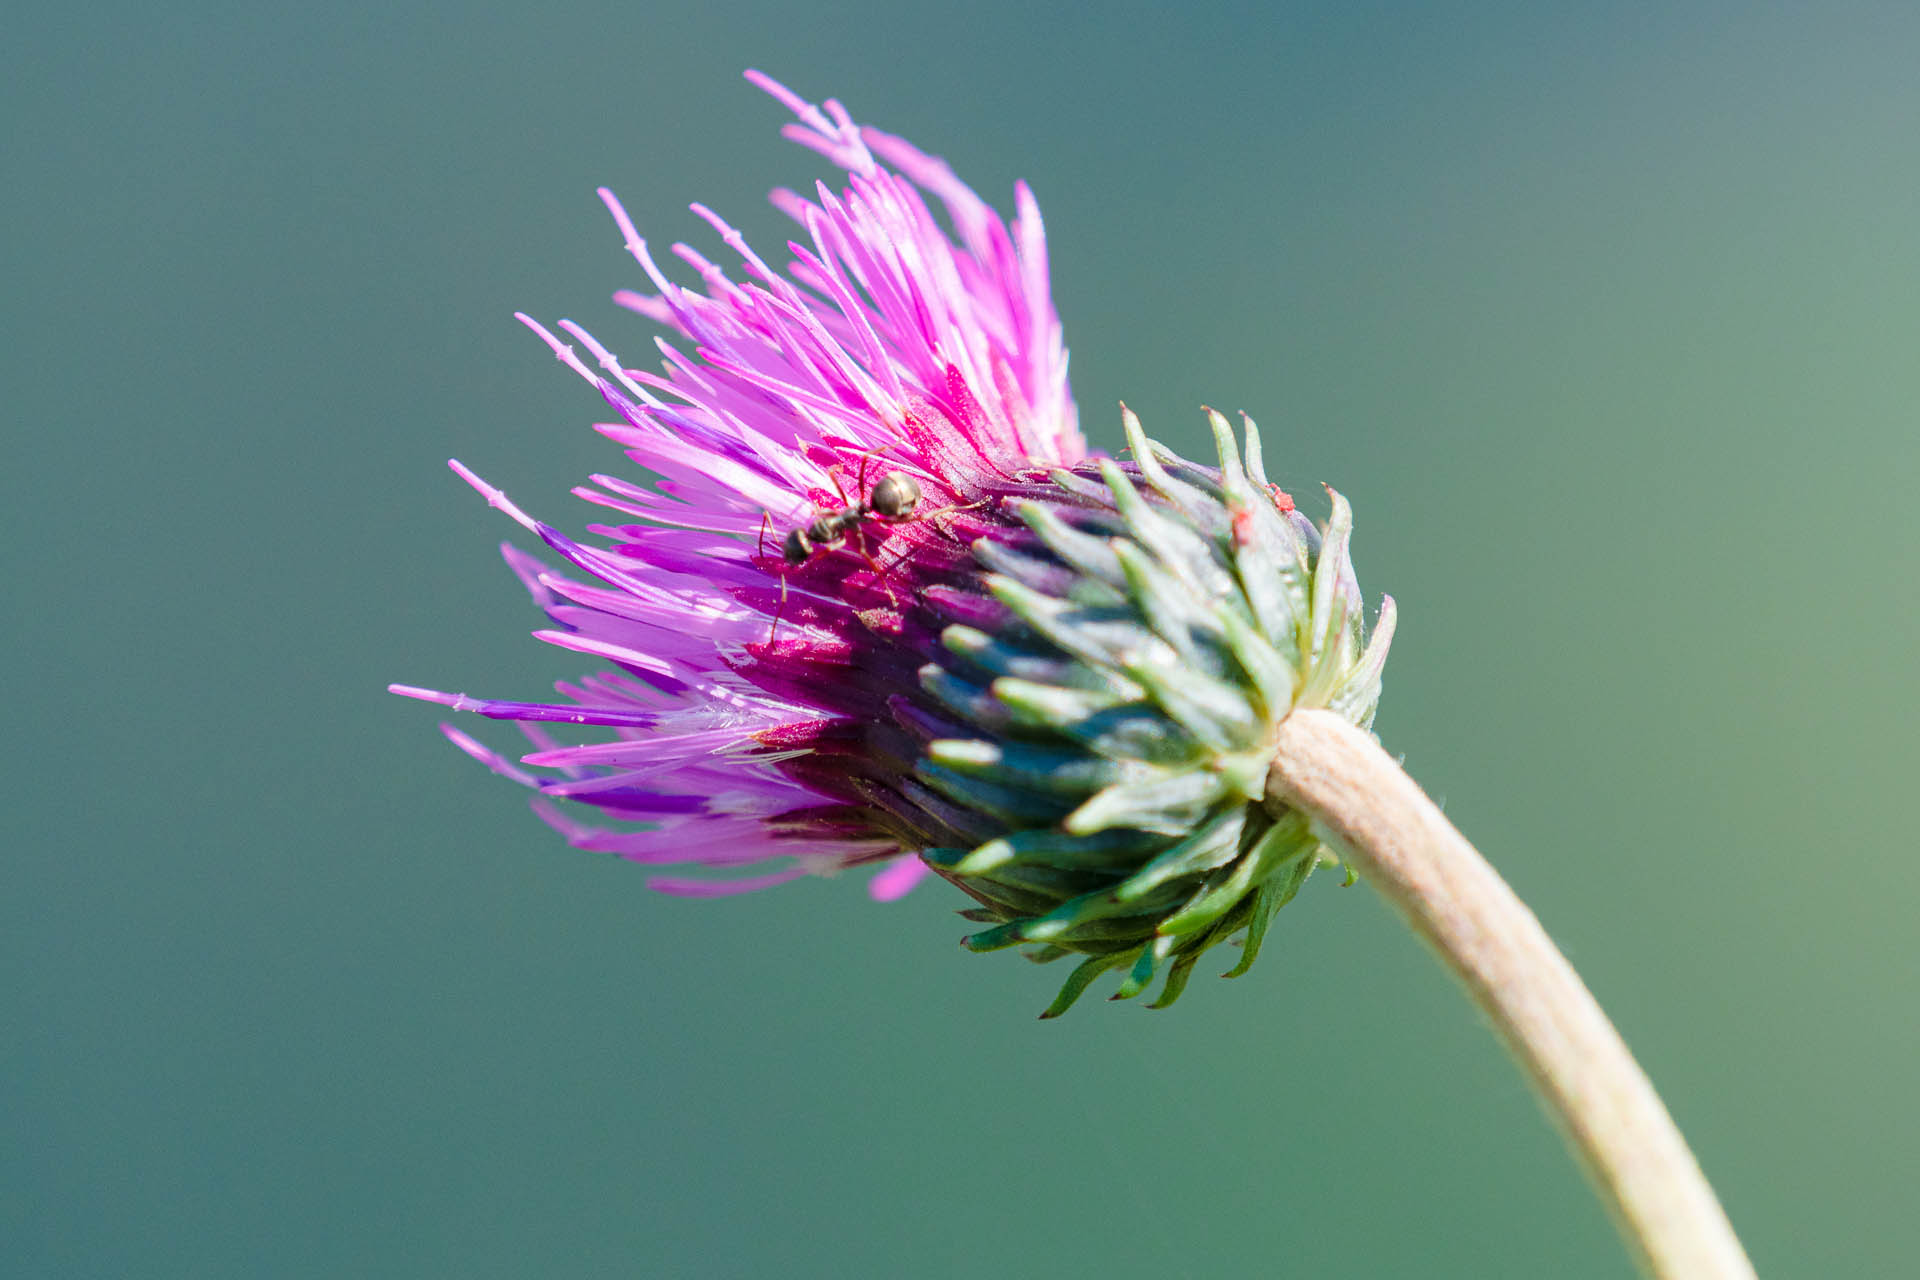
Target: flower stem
{"type": "Point", "coordinates": [1396, 837]}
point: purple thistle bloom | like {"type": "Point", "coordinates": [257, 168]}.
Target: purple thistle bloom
{"type": "Point", "coordinates": [880, 608]}
{"type": "Point", "coordinates": [751, 705]}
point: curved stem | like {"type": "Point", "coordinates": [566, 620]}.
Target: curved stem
{"type": "Point", "coordinates": [1365, 805]}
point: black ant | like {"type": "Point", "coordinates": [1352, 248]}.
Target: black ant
{"type": "Point", "coordinates": [895, 498]}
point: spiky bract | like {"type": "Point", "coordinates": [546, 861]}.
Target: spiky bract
{"type": "Point", "coordinates": [1161, 622]}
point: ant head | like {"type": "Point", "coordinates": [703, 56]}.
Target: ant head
{"type": "Point", "coordinates": [798, 547]}
{"type": "Point", "coordinates": [895, 496]}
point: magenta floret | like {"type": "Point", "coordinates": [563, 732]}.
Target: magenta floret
{"type": "Point", "coordinates": [765, 715]}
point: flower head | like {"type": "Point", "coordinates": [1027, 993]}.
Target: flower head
{"type": "Point", "coordinates": [877, 607]}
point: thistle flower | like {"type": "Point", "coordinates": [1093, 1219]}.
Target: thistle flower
{"type": "Point", "coordinates": [879, 608]}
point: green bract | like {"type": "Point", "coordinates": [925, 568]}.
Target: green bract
{"type": "Point", "coordinates": [1163, 630]}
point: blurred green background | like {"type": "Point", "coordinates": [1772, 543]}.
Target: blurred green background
{"type": "Point", "coordinates": [1605, 318]}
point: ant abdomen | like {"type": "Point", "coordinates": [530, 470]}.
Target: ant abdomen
{"type": "Point", "coordinates": [895, 497]}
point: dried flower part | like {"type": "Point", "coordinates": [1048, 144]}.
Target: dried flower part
{"type": "Point", "coordinates": [1156, 628]}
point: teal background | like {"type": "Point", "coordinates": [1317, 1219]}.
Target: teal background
{"type": "Point", "coordinates": [1603, 316]}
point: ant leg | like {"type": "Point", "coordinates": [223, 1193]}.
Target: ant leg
{"type": "Point", "coordinates": [778, 612]}
{"type": "Point", "coordinates": [766, 526]}
{"type": "Point", "coordinates": [900, 559]}
{"type": "Point", "coordinates": [958, 506]}
{"type": "Point", "coordinates": [947, 511]}
{"type": "Point", "coordinates": [860, 481]}
{"type": "Point", "coordinates": [879, 570]}
{"type": "Point", "coordinates": [932, 515]}
{"type": "Point", "coordinates": [840, 489]}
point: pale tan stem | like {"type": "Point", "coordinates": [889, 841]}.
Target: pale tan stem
{"type": "Point", "coordinates": [1383, 823]}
